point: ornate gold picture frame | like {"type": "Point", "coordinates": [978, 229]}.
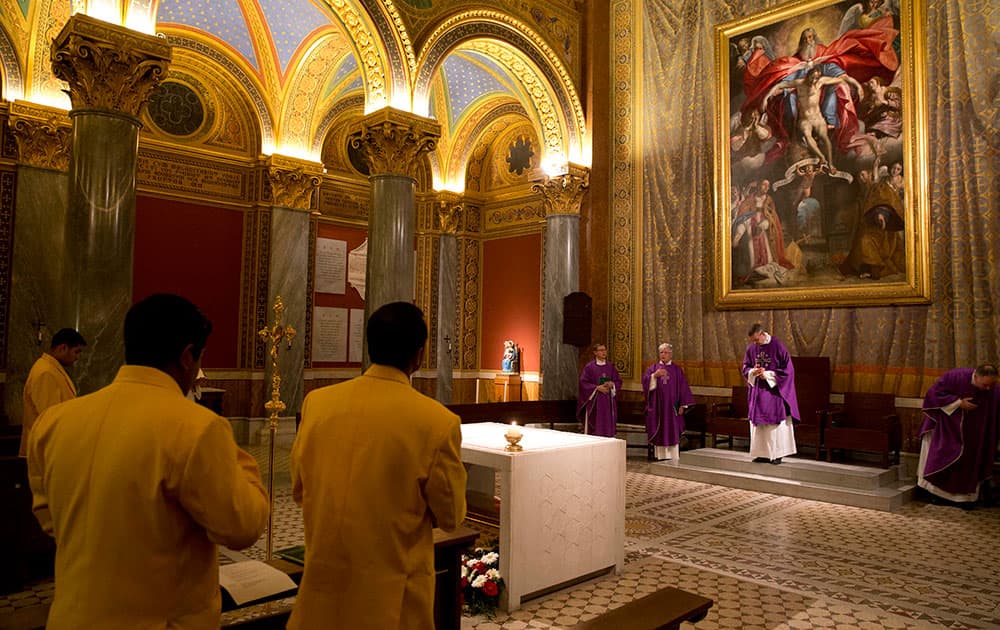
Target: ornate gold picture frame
{"type": "Point", "coordinates": [820, 127]}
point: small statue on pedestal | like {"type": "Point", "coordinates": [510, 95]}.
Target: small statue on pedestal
{"type": "Point", "coordinates": [509, 363]}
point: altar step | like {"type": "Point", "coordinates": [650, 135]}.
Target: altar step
{"type": "Point", "coordinates": [858, 486]}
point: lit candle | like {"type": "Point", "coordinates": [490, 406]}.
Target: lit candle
{"type": "Point", "coordinates": [514, 430]}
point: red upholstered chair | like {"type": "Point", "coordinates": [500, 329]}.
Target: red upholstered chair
{"type": "Point", "coordinates": [865, 422]}
{"type": "Point", "coordinates": [730, 419]}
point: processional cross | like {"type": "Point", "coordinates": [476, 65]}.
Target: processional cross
{"type": "Point", "coordinates": [276, 333]}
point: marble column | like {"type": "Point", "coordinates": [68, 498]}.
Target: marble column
{"type": "Point", "coordinates": [40, 208]}
{"type": "Point", "coordinates": [561, 197]}
{"type": "Point", "coordinates": [111, 71]}
{"type": "Point", "coordinates": [292, 184]}
{"type": "Point", "coordinates": [392, 143]}
{"type": "Point", "coordinates": [449, 214]}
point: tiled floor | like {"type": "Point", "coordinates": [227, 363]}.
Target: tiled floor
{"type": "Point", "coordinates": [769, 562]}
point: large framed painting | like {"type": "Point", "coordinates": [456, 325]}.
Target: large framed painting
{"type": "Point", "coordinates": [821, 191]}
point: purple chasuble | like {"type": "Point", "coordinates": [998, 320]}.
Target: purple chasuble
{"type": "Point", "coordinates": [771, 405]}
{"type": "Point", "coordinates": [960, 453]}
{"type": "Point", "coordinates": [663, 424]}
{"type": "Point", "coordinates": [598, 411]}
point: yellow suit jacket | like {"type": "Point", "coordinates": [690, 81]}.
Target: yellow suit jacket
{"type": "Point", "coordinates": [138, 484]}
{"type": "Point", "coordinates": [48, 384]}
{"type": "Point", "coordinates": [376, 465]}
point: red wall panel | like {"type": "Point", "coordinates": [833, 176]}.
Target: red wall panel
{"type": "Point", "coordinates": [194, 251]}
{"type": "Point", "coordinates": [512, 300]}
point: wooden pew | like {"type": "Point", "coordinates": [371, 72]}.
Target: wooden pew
{"type": "Point", "coordinates": [667, 608]}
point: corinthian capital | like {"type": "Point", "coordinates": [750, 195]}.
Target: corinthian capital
{"type": "Point", "coordinates": [563, 194]}
{"type": "Point", "coordinates": [392, 141]}
{"type": "Point", "coordinates": [449, 216]}
{"type": "Point", "coordinates": [107, 66]}
{"type": "Point", "coordinates": [293, 181]}
{"type": "Point", "coordinates": [44, 136]}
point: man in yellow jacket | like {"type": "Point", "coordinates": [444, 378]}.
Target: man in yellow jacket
{"type": "Point", "coordinates": [48, 382]}
{"type": "Point", "coordinates": [376, 465]}
{"type": "Point", "coordinates": [138, 484]}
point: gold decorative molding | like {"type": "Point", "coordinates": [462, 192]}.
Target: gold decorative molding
{"type": "Point", "coordinates": [44, 136]}
{"type": "Point", "coordinates": [293, 181]}
{"type": "Point", "coordinates": [108, 66]}
{"type": "Point", "coordinates": [449, 215]}
{"type": "Point", "coordinates": [563, 194]}
{"type": "Point", "coordinates": [393, 141]}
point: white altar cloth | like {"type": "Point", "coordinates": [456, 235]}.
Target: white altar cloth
{"type": "Point", "coordinates": [562, 504]}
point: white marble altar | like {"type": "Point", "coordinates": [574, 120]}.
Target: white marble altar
{"type": "Point", "coordinates": [562, 504]}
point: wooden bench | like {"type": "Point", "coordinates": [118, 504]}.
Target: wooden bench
{"type": "Point", "coordinates": [667, 608]}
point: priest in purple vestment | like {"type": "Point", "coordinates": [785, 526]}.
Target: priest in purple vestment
{"type": "Point", "coordinates": [667, 396]}
{"type": "Point", "coordinates": [597, 403]}
{"type": "Point", "coordinates": [959, 433]}
{"type": "Point", "coordinates": [773, 406]}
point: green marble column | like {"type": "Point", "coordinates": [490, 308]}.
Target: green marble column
{"type": "Point", "coordinates": [111, 71]}
{"type": "Point", "coordinates": [392, 143]}
{"type": "Point", "coordinates": [561, 197]}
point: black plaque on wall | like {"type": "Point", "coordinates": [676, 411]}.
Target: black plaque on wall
{"type": "Point", "coordinates": [576, 319]}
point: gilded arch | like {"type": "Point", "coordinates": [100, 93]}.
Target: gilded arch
{"type": "Point", "coordinates": [304, 90]}
{"type": "Point", "coordinates": [13, 82]}
{"type": "Point", "coordinates": [526, 55]}
{"type": "Point", "coordinates": [244, 78]}
{"type": "Point", "coordinates": [231, 122]}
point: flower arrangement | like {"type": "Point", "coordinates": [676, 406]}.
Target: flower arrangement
{"type": "Point", "coordinates": [481, 581]}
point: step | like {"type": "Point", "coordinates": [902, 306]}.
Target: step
{"type": "Point", "coordinates": [794, 468]}
{"type": "Point", "coordinates": [886, 499]}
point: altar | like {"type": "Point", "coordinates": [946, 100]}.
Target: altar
{"type": "Point", "coordinates": [562, 505]}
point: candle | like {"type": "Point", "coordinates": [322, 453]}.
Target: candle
{"type": "Point", "coordinates": [514, 430]}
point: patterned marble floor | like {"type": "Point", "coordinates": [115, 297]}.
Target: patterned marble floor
{"type": "Point", "coordinates": [769, 562]}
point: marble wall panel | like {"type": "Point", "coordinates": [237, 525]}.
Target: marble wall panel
{"type": "Point", "coordinates": [447, 312]}
{"type": "Point", "coordinates": [36, 303]}
{"type": "Point", "coordinates": [560, 278]}
{"type": "Point", "coordinates": [287, 278]}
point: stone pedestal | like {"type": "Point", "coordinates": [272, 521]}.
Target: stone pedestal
{"type": "Point", "coordinates": [507, 387]}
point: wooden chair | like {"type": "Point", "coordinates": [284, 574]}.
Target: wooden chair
{"type": "Point", "coordinates": [865, 422]}
{"type": "Point", "coordinates": [730, 419]}
{"type": "Point", "coordinates": [812, 389]}
{"type": "Point", "coordinates": [695, 421]}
